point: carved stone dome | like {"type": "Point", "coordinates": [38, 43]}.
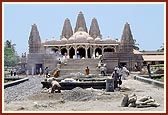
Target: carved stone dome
{"type": "Point", "coordinates": [53, 39]}
{"type": "Point", "coordinates": [80, 35]}
{"type": "Point", "coordinates": [90, 38]}
{"type": "Point", "coordinates": [71, 40]}
{"type": "Point", "coordinates": [108, 38]}
{"type": "Point", "coordinates": [98, 39]}
{"type": "Point", "coordinates": [64, 40]}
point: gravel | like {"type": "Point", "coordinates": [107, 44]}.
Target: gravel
{"type": "Point", "coordinates": [24, 96]}
{"type": "Point", "coordinates": [23, 90]}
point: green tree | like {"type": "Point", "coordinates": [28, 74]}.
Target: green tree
{"type": "Point", "coordinates": [8, 44]}
{"type": "Point", "coordinates": [135, 45]}
{"type": "Point", "coordinates": [161, 49]}
{"type": "Point", "coordinates": [10, 55]}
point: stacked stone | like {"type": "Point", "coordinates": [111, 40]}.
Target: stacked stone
{"type": "Point", "coordinates": [145, 101]}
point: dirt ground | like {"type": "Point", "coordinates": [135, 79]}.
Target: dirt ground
{"type": "Point", "coordinates": [102, 102]}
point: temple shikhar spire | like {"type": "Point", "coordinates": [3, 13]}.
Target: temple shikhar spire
{"type": "Point", "coordinates": [127, 41]}
{"type": "Point", "coordinates": [94, 31]}
{"type": "Point", "coordinates": [67, 29]}
{"type": "Point", "coordinates": [80, 22]}
{"type": "Point", "coordinates": [34, 40]}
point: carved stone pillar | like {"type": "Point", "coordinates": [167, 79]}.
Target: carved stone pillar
{"type": "Point", "coordinates": [102, 50]}
{"type": "Point", "coordinates": [59, 49]}
{"type": "Point", "coordinates": [86, 53]}
{"type": "Point", "coordinates": [93, 54]}
{"type": "Point", "coordinates": [45, 48]}
{"type": "Point", "coordinates": [67, 48]}
{"type": "Point", "coordinates": [75, 51]}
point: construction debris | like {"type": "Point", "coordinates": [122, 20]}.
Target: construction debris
{"type": "Point", "coordinates": [143, 102]}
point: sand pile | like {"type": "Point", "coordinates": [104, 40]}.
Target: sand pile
{"type": "Point", "coordinates": [78, 94]}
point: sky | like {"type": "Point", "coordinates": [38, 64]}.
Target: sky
{"type": "Point", "coordinates": [146, 21]}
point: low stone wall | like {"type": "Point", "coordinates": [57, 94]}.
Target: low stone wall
{"type": "Point", "coordinates": [12, 78]}
{"type": "Point", "coordinates": [150, 81]}
{"type": "Point", "coordinates": [15, 82]}
{"type": "Point", "coordinates": [71, 85]}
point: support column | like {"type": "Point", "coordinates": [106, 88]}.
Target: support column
{"type": "Point", "coordinates": [93, 54]}
{"type": "Point", "coordinates": [102, 50]}
{"type": "Point", "coordinates": [67, 51]}
{"type": "Point", "coordinates": [32, 70]}
{"type": "Point", "coordinates": [86, 52]}
{"type": "Point", "coordinates": [91, 51]}
{"type": "Point", "coordinates": [45, 49]}
{"type": "Point", "coordinates": [115, 48]}
{"type": "Point", "coordinates": [67, 48]}
{"type": "Point", "coordinates": [59, 49]}
{"type": "Point", "coordinates": [75, 52]}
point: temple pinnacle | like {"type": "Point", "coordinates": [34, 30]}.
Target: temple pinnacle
{"type": "Point", "coordinates": [94, 29]}
{"type": "Point", "coordinates": [80, 22]}
{"type": "Point", "coordinates": [67, 29]}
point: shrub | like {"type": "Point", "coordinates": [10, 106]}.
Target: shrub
{"type": "Point", "coordinates": [159, 71]}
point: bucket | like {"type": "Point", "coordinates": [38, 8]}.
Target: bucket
{"type": "Point", "coordinates": [109, 85]}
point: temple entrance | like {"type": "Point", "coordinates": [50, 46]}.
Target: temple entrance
{"type": "Point", "coordinates": [71, 52]}
{"type": "Point", "coordinates": [81, 52]}
{"type": "Point", "coordinates": [98, 52]}
{"type": "Point", "coordinates": [109, 50]}
{"type": "Point", "coordinates": [63, 51]}
{"type": "Point", "coordinates": [54, 50]}
{"type": "Point", "coordinates": [38, 66]}
{"type": "Point", "coordinates": [122, 64]}
{"type": "Point", "coordinates": [89, 51]}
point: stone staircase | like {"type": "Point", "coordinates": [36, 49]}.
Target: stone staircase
{"type": "Point", "coordinates": [79, 65]}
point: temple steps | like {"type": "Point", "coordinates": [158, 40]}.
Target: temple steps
{"type": "Point", "coordinates": [79, 65]}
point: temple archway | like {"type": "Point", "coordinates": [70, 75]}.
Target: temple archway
{"type": "Point", "coordinates": [63, 51]}
{"type": "Point", "coordinates": [109, 50]}
{"type": "Point", "coordinates": [98, 51]}
{"type": "Point", "coordinates": [81, 51]}
{"type": "Point", "coordinates": [71, 52]}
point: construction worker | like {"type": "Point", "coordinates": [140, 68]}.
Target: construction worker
{"type": "Point", "coordinates": [55, 86]}
{"type": "Point", "coordinates": [103, 69]}
{"type": "Point", "coordinates": [56, 73]}
{"type": "Point", "coordinates": [115, 77]}
{"type": "Point", "coordinates": [46, 72]}
{"type": "Point", "coordinates": [87, 70]}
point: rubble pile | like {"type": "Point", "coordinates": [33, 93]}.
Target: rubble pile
{"type": "Point", "coordinates": [78, 94]}
{"type": "Point", "coordinates": [143, 102]}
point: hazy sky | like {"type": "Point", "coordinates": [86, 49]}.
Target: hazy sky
{"type": "Point", "coordinates": [146, 21]}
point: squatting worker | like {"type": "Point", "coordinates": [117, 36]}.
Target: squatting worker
{"type": "Point", "coordinates": [55, 86]}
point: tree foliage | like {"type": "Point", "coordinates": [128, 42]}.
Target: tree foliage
{"type": "Point", "coordinates": [135, 45]}
{"type": "Point", "coordinates": [10, 56]}
{"type": "Point", "coordinates": [161, 49]}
